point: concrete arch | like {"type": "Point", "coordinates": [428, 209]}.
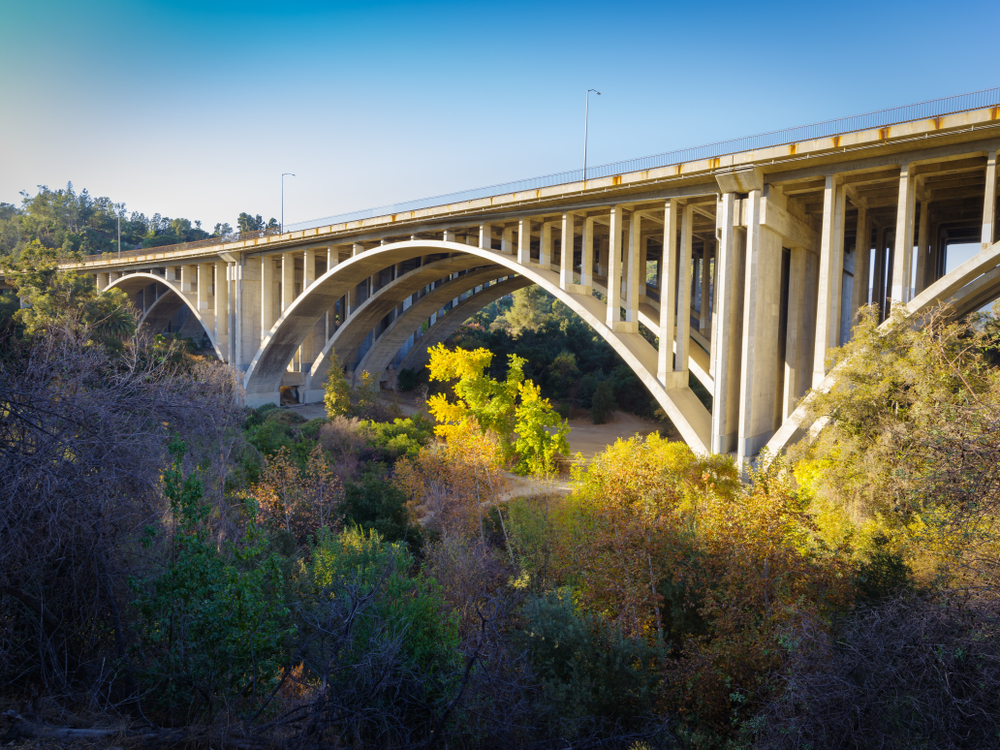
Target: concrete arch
{"type": "Point", "coordinates": [347, 341]}
{"type": "Point", "coordinates": [161, 312]}
{"type": "Point", "coordinates": [443, 328]}
{"type": "Point", "coordinates": [263, 377]}
{"type": "Point", "coordinates": [966, 289]}
{"type": "Point", "coordinates": [352, 332]}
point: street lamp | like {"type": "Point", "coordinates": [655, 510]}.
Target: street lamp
{"type": "Point", "coordinates": [283, 176]}
{"type": "Point", "coordinates": [586, 117]}
{"type": "Point", "coordinates": [118, 213]}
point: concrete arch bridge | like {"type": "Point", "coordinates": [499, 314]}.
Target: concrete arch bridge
{"type": "Point", "coordinates": [747, 265]}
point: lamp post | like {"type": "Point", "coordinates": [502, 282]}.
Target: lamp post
{"type": "Point", "coordinates": [283, 176]}
{"type": "Point", "coordinates": [118, 213]}
{"type": "Point", "coordinates": [586, 118]}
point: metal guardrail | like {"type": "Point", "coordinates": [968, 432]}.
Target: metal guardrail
{"type": "Point", "coordinates": [878, 119]}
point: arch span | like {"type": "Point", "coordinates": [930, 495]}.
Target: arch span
{"type": "Point", "coordinates": [348, 338]}
{"type": "Point", "coordinates": [966, 289]}
{"type": "Point", "coordinates": [156, 316]}
{"type": "Point", "coordinates": [263, 377]}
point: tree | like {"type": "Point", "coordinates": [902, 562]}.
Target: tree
{"type": "Point", "coordinates": [512, 410]}
{"type": "Point", "coordinates": [336, 390]}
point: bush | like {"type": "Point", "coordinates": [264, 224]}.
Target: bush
{"type": "Point", "coordinates": [587, 667]}
{"type": "Point", "coordinates": [211, 625]}
{"type": "Point", "coordinates": [376, 505]}
{"type": "Point", "coordinates": [603, 403]}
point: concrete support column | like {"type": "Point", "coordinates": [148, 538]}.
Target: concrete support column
{"type": "Point", "coordinates": [797, 365]}
{"type": "Point", "coordinates": [448, 235]}
{"type": "Point", "coordinates": [643, 265]}
{"type": "Point", "coordinates": [507, 241]}
{"type": "Point", "coordinates": [706, 281]}
{"type": "Point", "coordinates": [902, 270]}
{"type": "Point", "coordinates": [250, 310]}
{"type": "Point", "coordinates": [668, 301]}
{"type": "Point", "coordinates": [204, 284]}
{"type": "Point", "coordinates": [615, 271]}
{"type": "Point", "coordinates": [923, 246]}
{"type": "Point", "coordinates": [188, 278]}
{"type": "Point", "coordinates": [632, 279]}
{"type": "Point", "coordinates": [486, 236]}
{"type": "Point", "coordinates": [862, 263]}
{"type": "Point", "coordinates": [267, 301]}
{"type": "Point", "coordinates": [287, 280]}
{"type": "Point", "coordinates": [990, 201]}
{"type": "Point", "coordinates": [332, 257]}
{"type": "Point", "coordinates": [878, 275]}
{"type": "Point", "coordinates": [103, 280]}
{"type": "Point", "coordinates": [566, 250]}
{"type": "Point", "coordinates": [728, 332]}
{"type": "Point", "coordinates": [357, 248]}
{"type": "Point", "coordinates": [831, 276]}
{"type": "Point", "coordinates": [587, 254]}
{"type": "Point", "coordinates": [545, 246]}
{"type": "Point", "coordinates": [222, 274]}
{"type": "Point", "coordinates": [524, 241]}
{"type": "Point", "coordinates": [762, 295]}
{"type": "Point", "coordinates": [309, 267]}
{"type": "Point", "coordinates": [684, 262]}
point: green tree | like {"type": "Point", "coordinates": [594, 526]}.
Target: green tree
{"type": "Point", "coordinates": [336, 390]}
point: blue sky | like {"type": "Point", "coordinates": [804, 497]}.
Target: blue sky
{"type": "Point", "coordinates": [195, 109]}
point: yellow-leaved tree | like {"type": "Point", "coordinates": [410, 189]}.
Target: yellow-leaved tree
{"type": "Point", "coordinates": [525, 424]}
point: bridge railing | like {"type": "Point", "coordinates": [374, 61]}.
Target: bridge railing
{"type": "Point", "coordinates": [878, 119]}
{"type": "Point", "coordinates": [140, 251]}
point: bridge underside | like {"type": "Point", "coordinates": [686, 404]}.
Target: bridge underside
{"type": "Point", "coordinates": [740, 277]}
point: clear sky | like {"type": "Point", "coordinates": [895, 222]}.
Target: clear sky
{"type": "Point", "coordinates": [195, 108]}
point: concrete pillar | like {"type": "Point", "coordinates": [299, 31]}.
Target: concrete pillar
{"type": "Point", "coordinates": [188, 278]}
{"type": "Point", "coordinates": [507, 241]}
{"type": "Point", "coordinates": [878, 276]}
{"type": "Point", "coordinates": [902, 270]}
{"type": "Point", "coordinates": [545, 245]}
{"type": "Point", "coordinates": [357, 248]}
{"type": "Point", "coordinates": [287, 280]}
{"type": "Point", "coordinates": [923, 246]}
{"type": "Point", "coordinates": [797, 366]}
{"type": "Point", "coordinates": [222, 275]}
{"type": "Point", "coordinates": [204, 284]}
{"type": "Point", "coordinates": [633, 278]}
{"type": "Point", "coordinates": [831, 275]}
{"type": "Point", "coordinates": [587, 253]}
{"type": "Point", "coordinates": [862, 263]}
{"type": "Point", "coordinates": [250, 288]}
{"type": "Point", "coordinates": [762, 295]}
{"type": "Point", "coordinates": [309, 267]}
{"type": "Point", "coordinates": [486, 236]}
{"type": "Point", "coordinates": [332, 256]}
{"type": "Point", "coordinates": [615, 270]}
{"type": "Point", "coordinates": [566, 250]}
{"type": "Point", "coordinates": [267, 301]}
{"type": "Point", "coordinates": [990, 201]}
{"type": "Point", "coordinates": [524, 241]}
{"type": "Point", "coordinates": [706, 281]}
{"type": "Point", "coordinates": [448, 235]}
{"type": "Point", "coordinates": [668, 301]}
{"type": "Point", "coordinates": [103, 280]}
{"type": "Point", "coordinates": [727, 334]}
{"type": "Point", "coordinates": [684, 261]}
